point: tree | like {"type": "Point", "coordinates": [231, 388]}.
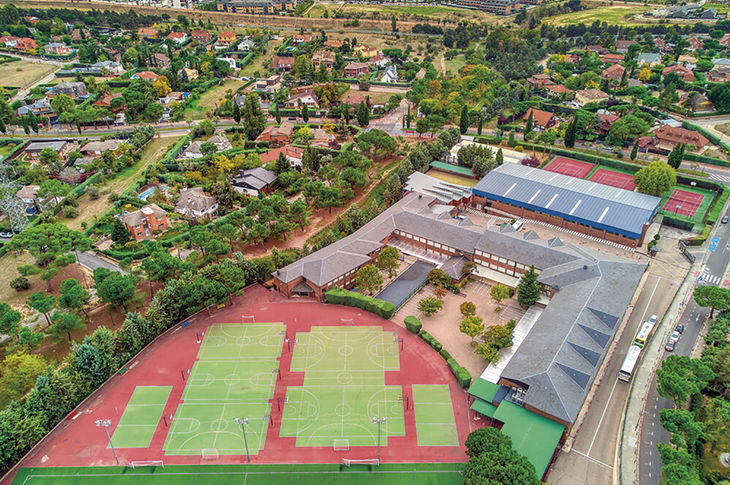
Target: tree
{"type": "Point", "coordinates": [362, 113]}
{"type": "Point", "coordinates": [500, 292]}
{"type": "Point", "coordinates": [493, 461]}
{"type": "Point", "coordinates": [63, 324]}
{"type": "Point", "coordinates": [368, 279]}
{"type": "Point", "coordinates": [528, 291]}
{"type": "Point", "coordinates": [72, 295]}
{"type": "Point", "coordinates": [388, 260]}
{"type": "Point", "coordinates": [393, 190]}
{"type": "Point", "coordinates": [681, 377]}
{"type": "Point", "coordinates": [570, 133]}
{"type": "Point", "coordinates": [119, 233]}
{"type": "Point", "coordinates": [236, 112]}
{"type": "Point", "coordinates": [486, 440]}
{"type": "Point", "coordinates": [464, 120]}
{"type": "Point", "coordinates": [655, 178]}
{"type": "Point", "coordinates": [299, 212]}
{"type": "Point", "coordinates": [499, 158]}
{"type": "Point", "coordinates": [62, 103]}
{"type": "Point", "coordinates": [253, 115]}
{"type": "Point", "coordinates": [720, 97]}
{"type": "Point", "coordinates": [635, 149]}
{"type": "Point", "coordinates": [430, 305]}
{"type": "Point", "coordinates": [113, 287]}
{"type": "Point", "coordinates": [472, 326]}
{"type": "Point", "coordinates": [675, 157]}
{"type": "Point", "coordinates": [714, 297]}
{"type": "Point", "coordinates": [305, 113]}
{"type": "Point", "coordinates": [468, 309]}
{"type": "Point", "coordinates": [48, 242]}
{"type": "Point", "coordinates": [529, 124]}
{"type": "Point", "coordinates": [19, 373]}
{"type": "Point", "coordinates": [439, 277]}
{"type": "Point", "coordinates": [30, 339]}
{"type": "Point", "coordinates": [41, 303]}
{"type": "Point", "coordinates": [9, 320]}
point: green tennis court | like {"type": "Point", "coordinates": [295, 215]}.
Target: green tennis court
{"type": "Point", "coordinates": [386, 474]}
{"type": "Point", "coordinates": [344, 388]}
{"type": "Point", "coordinates": [234, 378]}
{"type": "Point", "coordinates": [141, 416]}
{"type": "Point", "coordinates": [435, 425]}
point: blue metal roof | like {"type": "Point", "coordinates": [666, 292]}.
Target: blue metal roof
{"type": "Point", "coordinates": [596, 205]}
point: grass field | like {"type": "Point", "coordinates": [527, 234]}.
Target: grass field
{"type": "Point", "coordinates": [141, 416]}
{"type": "Point", "coordinates": [389, 474]}
{"type": "Point", "coordinates": [435, 425]}
{"type": "Point", "coordinates": [611, 15]}
{"type": "Point", "coordinates": [234, 377]}
{"type": "Point", "coordinates": [344, 388]}
{"type": "Point", "coordinates": [453, 178]}
{"type": "Point", "coordinates": [210, 99]}
{"type": "Point", "coordinates": [23, 74]}
{"type": "Point", "coordinates": [414, 12]}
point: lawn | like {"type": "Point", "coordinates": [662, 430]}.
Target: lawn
{"type": "Point", "coordinates": [417, 12]}
{"type": "Point", "coordinates": [723, 128]}
{"type": "Point", "coordinates": [611, 15]}
{"type": "Point", "coordinates": [24, 74]}
{"type": "Point", "coordinates": [258, 63]}
{"type": "Point", "coordinates": [455, 64]}
{"type": "Point", "coordinates": [210, 99]}
{"type": "Point", "coordinates": [376, 97]}
{"type": "Point", "coordinates": [89, 209]}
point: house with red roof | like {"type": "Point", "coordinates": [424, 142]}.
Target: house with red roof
{"type": "Point", "coordinates": [614, 72]}
{"type": "Point", "coordinates": [9, 40]}
{"type": "Point", "coordinates": [282, 64]}
{"type": "Point", "coordinates": [301, 39]}
{"type": "Point", "coordinates": [26, 44]}
{"type": "Point", "coordinates": [612, 58]}
{"type": "Point", "coordinates": [356, 69]}
{"type": "Point", "coordinates": [684, 73]}
{"type": "Point", "coordinates": [144, 75]}
{"type": "Point", "coordinates": [202, 36]}
{"type": "Point", "coordinates": [540, 119]}
{"type": "Point", "coordinates": [178, 37]}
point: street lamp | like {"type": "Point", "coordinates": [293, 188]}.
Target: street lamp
{"type": "Point", "coordinates": [243, 422]}
{"type": "Point", "coordinates": [105, 423]}
{"type": "Point", "coordinates": [378, 421]}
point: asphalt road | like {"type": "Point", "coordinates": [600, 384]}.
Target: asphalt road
{"type": "Point", "coordinates": [692, 318]}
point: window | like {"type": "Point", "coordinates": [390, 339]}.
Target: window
{"type": "Point", "coordinates": [502, 260]}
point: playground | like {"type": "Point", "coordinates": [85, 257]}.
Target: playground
{"type": "Point", "coordinates": [282, 381]}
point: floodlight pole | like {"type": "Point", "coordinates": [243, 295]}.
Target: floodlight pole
{"type": "Point", "coordinates": [243, 422]}
{"type": "Point", "coordinates": [378, 421]}
{"type": "Point", "coordinates": [105, 423]}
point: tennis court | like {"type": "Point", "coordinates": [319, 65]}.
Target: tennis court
{"type": "Point", "coordinates": [141, 416]}
{"type": "Point", "coordinates": [344, 388]}
{"type": "Point", "coordinates": [435, 425]}
{"type": "Point", "coordinates": [568, 166]}
{"type": "Point", "coordinates": [683, 202]}
{"type": "Point", "coordinates": [234, 377]}
{"type": "Point", "coordinates": [614, 179]}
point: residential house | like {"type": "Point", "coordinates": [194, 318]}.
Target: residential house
{"type": "Point", "coordinates": [106, 101]}
{"type": "Point", "coordinates": [108, 67]}
{"type": "Point", "coordinates": [390, 75]}
{"type": "Point", "coordinates": [57, 48]}
{"type": "Point", "coordinates": [74, 89]}
{"type": "Point", "coordinates": [172, 97]}
{"type": "Point", "coordinates": [573, 58]}
{"type": "Point", "coordinates": [724, 40]}
{"type": "Point", "coordinates": [299, 39]}
{"type": "Point", "coordinates": [701, 102]}
{"type": "Point", "coordinates": [28, 195]}
{"type": "Point", "coordinates": [614, 72]}
{"type": "Point", "coordinates": [356, 69]}
{"type": "Point", "coordinates": [9, 41]}
{"type": "Point", "coordinates": [379, 61]}
{"type": "Point", "coordinates": [277, 135]}
{"type": "Point", "coordinates": [557, 90]}
{"type": "Point", "coordinates": [586, 96]}
{"type": "Point", "coordinates": [144, 75]}
{"type": "Point", "coordinates": [188, 75]}
{"type": "Point", "coordinates": [178, 37]}
{"type": "Point", "coordinates": [598, 49]}
{"type": "Point", "coordinates": [665, 137]}
{"type": "Point", "coordinates": [161, 60]}
{"type": "Point", "coordinates": [540, 119]}
{"type": "Point", "coordinates": [246, 45]}
{"type": "Point", "coordinates": [333, 43]}
{"type": "Point", "coordinates": [307, 98]}
{"type": "Point", "coordinates": [270, 84]}
{"type": "Point", "coordinates": [694, 43]}
{"type": "Point", "coordinates": [96, 148]}
{"type": "Point", "coordinates": [254, 181]}
{"type": "Point", "coordinates": [604, 122]}
{"type": "Point", "coordinates": [294, 154]}
{"type": "Point", "coordinates": [326, 57]}
{"type": "Point", "coordinates": [612, 58]}
{"type": "Point", "coordinates": [650, 58]}
{"type": "Point", "coordinates": [539, 81]}
{"type": "Point", "coordinates": [721, 62]}
{"type": "Point", "coordinates": [226, 38]}
{"type": "Point", "coordinates": [354, 100]}
{"type": "Point", "coordinates": [26, 44]}
{"type": "Point", "coordinates": [147, 33]}
{"type": "Point", "coordinates": [62, 147]}
{"type": "Point", "coordinates": [256, 7]}
{"type": "Point", "coordinates": [194, 204]}
{"type": "Point", "coordinates": [80, 34]}
{"type": "Point", "coordinates": [499, 7]}
{"type": "Point", "coordinates": [282, 64]}
{"type": "Point", "coordinates": [365, 51]}
{"type": "Point", "coordinates": [195, 149]}
{"type": "Point", "coordinates": [689, 62]}
{"type": "Point", "coordinates": [622, 45]}
{"type": "Point", "coordinates": [685, 74]}
{"type": "Point", "coordinates": [321, 138]}
{"type": "Point", "coordinates": [663, 45]}
{"type": "Point", "coordinates": [145, 222]}
{"type": "Point", "coordinates": [719, 75]}
{"type": "Point", "coordinates": [201, 36]}
{"type": "Point", "coordinates": [41, 107]}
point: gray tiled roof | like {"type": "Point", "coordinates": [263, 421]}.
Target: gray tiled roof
{"type": "Point", "coordinates": [602, 206]}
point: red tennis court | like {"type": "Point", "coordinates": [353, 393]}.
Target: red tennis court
{"type": "Point", "coordinates": [614, 179]}
{"type": "Point", "coordinates": [568, 166]}
{"type": "Point", "coordinates": [683, 202]}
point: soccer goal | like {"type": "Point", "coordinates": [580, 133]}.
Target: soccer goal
{"type": "Point", "coordinates": [346, 321]}
{"type": "Point", "coordinates": [367, 461]}
{"type": "Point", "coordinates": [144, 463]}
{"type": "Point", "coordinates": [209, 453]}
{"type": "Point", "coordinates": [341, 445]}
{"type": "Point", "coordinates": [247, 319]}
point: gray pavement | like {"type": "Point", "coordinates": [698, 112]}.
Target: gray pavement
{"type": "Point", "coordinates": [91, 261]}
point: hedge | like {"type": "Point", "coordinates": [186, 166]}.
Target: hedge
{"type": "Point", "coordinates": [340, 296]}
{"type": "Point", "coordinates": [431, 340]}
{"type": "Point", "coordinates": [462, 375]}
{"type": "Point", "coordinates": [693, 157]}
{"type": "Point", "coordinates": [413, 324]}
{"type": "Point", "coordinates": [716, 208]}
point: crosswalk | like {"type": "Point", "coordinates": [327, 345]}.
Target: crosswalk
{"type": "Point", "coordinates": [720, 178]}
{"type": "Point", "coordinates": [707, 277]}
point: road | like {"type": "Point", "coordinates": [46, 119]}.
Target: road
{"type": "Point", "coordinates": [692, 318]}
{"type": "Point", "coordinates": [91, 261]}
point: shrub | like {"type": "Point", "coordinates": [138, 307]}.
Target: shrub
{"type": "Point", "coordinates": [20, 283]}
{"type": "Point", "coordinates": [430, 305]}
{"type": "Point", "coordinates": [413, 324]}
{"type": "Point", "coordinates": [445, 354]}
{"type": "Point", "coordinates": [70, 212]}
{"type": "Point", "coordinates": [430, 340]}
{"type": "Point", "coordinates": [93, 193]}
{"type": "Point", "coordinates": [340, 296]}
{"type": "Point", "coordinates": [462, 375]}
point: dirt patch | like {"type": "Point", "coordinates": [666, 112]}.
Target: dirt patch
{"type": "Point", "coordinates": [23, 74]}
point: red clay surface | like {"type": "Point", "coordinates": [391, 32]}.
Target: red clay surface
{"type": "Point", "coordinates": [78, 442]}
{"type": "Point", "coordinates": [614, 179]}
{"type": "Point", "coordinates": [683, 202]}
{"type": "Point", "coordinates": [568, 166]}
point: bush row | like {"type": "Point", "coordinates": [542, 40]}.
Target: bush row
{"type": "Point", "coordinates": [462, 375]}
{"type": "Point", "coordinates": [413, 324]}
{"type": "Point", "coordinates": [694, 157]}
{"type": "Point", "coordinates": [340, 296]}
{"type": "Point", "coordinates": [716, 208]}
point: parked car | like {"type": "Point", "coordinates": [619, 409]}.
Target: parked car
{"type": "Point", "coordinates": [6, 234]}
{"type": "Point", "coordinates": [724, 219]}
{"type": "Point", "coordinates": [652, 319]}
{"type": "Point", "coordinates": [680, 328]}
{"type": "Point", "coordinates": [674, 337]}
{"type": "Point", "coordinates": [669, 347]}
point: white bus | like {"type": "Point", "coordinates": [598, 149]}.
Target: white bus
{"type": "Point", "coordinates": [629, 365]}
{"type": "Point", "coordinates": [645, 332]}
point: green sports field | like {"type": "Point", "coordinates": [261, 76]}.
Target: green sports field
{"type": "Point", "coordinates": [234, 377]}
{"type": "Point", "coordinates": [435, 424]}
{"type": "Point", "coordinates": [344, 388]}
{"type": "Point", "coordinates": [141, 416]}
{"type": "Point", "coordinates": [388, 474]}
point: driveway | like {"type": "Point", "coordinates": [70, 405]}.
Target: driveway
{"type": "Point", "coordinates": [91, 261]}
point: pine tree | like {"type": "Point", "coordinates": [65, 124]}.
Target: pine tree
{"type": "Point", "coordinates": [528, 291]}
{"type": "Point", "coordinates": [481, 124]}
{"type": "Point", "coordinates": [305, 113]}
{"type": "Point", "coordinates": [393, 190]}
{"type": "Point", "coordinates": [570, 133]}
{"type": "Point", "coordinates": [236, 112]}
{"type": "Point", "coordinates": [408, 118]}
{"type": "Point", "coordinates": [499, 158]}
{"type": "Point", "coordinates": [675, 157]}
{"type": "Point", "coordinates": [255, 118]}
{"type": "Point", "coordinates": [464, 120]}
{"type": "Point", "coordinates": [2, 125]}
{"type": "Point", "coordinates": [635, 150]}
{"type": "Point", "coordinates": [363, 115]}
{"type": "Point", "coordinates": [277, 113]}
{"type": "Point", "coordinates": [528, 125]}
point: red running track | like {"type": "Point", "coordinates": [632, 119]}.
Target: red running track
{"type": "Point", "coordinates": [688, 202]}
{"type": "Point", "coordinates": [570, 167]}
{"type": "Point", "coordinates": [614, 179]}
{"type": "Point", "coordinates": [78, 442]}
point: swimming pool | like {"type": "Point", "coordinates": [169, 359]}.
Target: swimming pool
{"type": "Point", "coordinates": [145, 195]}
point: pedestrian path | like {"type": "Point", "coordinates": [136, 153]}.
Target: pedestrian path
{"type": "Point", "coordinates": [706, 277]}
{"type": "Point", "coordinates": [411, 306]}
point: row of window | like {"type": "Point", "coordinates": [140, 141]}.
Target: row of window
{"type": "Point", "coordinates": [425, 241]}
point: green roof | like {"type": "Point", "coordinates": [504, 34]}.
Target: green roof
{"type": "Point", "coordinates": [448, 167]}
{"type": "Point", "coordinates": [532, 435]}
{"type": "Point", "coordinates": [483, 408]}
{"type": "Point", "coordinates": [483, 389]}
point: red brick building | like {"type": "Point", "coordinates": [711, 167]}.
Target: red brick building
{"type": "Point", "coordinates": [145, 222]}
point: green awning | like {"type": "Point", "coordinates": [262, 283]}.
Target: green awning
{"type": "Point", "coordinates": [449, 167]}
{"type": "Point", "coordinates": [533, 436]}
{"type": "Point", "coordinates": [483, 389]}
{"type": "Point", "coordinates": [484, 408]}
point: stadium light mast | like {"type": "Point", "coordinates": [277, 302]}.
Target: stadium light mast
{"type": "Point", "coordinates": [378, 421]}
{"type": "Point", "coordinates": [243, 422]}
{"type": "Point", "coordinates": [105, 423]}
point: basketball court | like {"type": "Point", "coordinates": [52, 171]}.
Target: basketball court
{"type": "Point", "coordinates": [614, 179]}
{"type": "Point", "coordinates": [570, 167]}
